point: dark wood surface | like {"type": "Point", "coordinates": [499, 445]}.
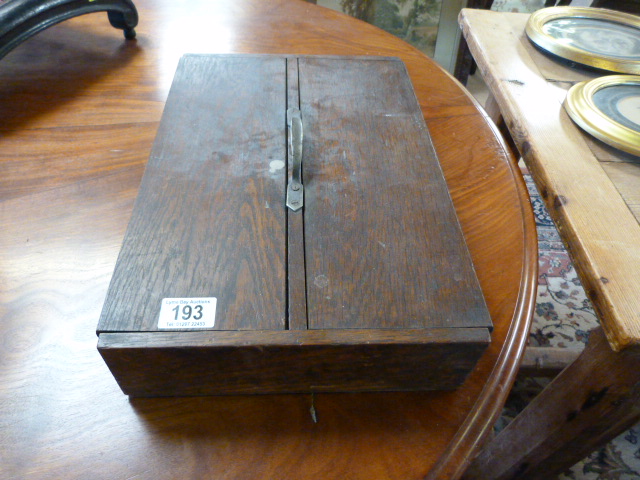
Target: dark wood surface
{"type": "Point", "coordinates": [382, 246]}
{"type": "Point", "coordinates": [80, 109]}
{"type": "Point", "coordinates": [208, 220]}
{"type": "Point", "coordinates": [152, 364]}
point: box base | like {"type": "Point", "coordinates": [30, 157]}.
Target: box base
{"type": "Point", "coordinates": [150, 364]}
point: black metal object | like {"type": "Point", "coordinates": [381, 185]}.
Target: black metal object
{"type": "Point", "coordinates": [21, 19]}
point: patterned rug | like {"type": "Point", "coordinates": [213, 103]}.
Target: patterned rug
{"type": "Point", "coordinates": [563, 316]}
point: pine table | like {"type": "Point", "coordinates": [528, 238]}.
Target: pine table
{"type": "Point", "coordinates": [591, 191]}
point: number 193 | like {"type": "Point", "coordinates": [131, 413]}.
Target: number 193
{"type": "Point", "coordinates": [187, 312]}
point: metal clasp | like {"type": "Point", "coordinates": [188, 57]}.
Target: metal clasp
{"type": "Point", "coordinates": [295, 190]}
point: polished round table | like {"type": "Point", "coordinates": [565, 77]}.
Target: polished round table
{"type": "Point", "coordinates": [79, 110]}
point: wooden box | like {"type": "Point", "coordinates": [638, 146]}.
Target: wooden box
{"type": "Point", "coordinates": [220, 288]}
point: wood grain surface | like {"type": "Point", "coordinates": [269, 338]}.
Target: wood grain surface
{"type": "Point", "coordinates": [592, 199]}
{"type": "Point", "coordinates": [80, 109]}
{"type": "Point", "coordinates": [152, 364]}
{"type": "Point", "coordinates": [208, 220]}
{"type": "Point", "coordinates": [382, 247]}
{"type": "Point", "coordinates": [383, 244]}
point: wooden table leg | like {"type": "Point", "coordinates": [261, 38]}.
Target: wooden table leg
{"type": "Point", "coordinates": [465, 64]}
{"type": "Point", "coordinates": [591, 402]}
{"type": "Point", "coordinates": [493, 110]}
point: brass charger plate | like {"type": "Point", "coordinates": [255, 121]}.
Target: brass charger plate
{"type": "Point", "coordinates": [594, 37]}
{"type": "Point", "coordinates": [609, 109]}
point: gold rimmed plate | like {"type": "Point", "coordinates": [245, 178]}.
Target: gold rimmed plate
{"type": "Point", "coordinates": [609, 109]}
{"type": "Point", "coordinates": [594, 37]}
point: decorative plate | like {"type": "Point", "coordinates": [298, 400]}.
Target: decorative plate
{"type": "Point", "coordinates": [594, 37]}
{"type": "Point", "coordinates": [609, 109]}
